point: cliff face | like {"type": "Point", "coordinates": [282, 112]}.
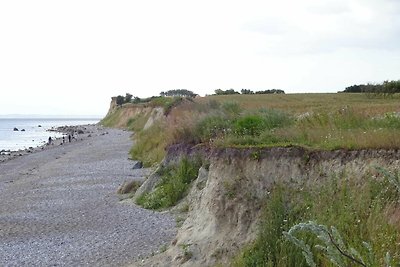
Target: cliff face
{"type": "Point", "coordinates": [113, 105]}
{"type": "Point", "coordinates": [225, 200]}
{"type": "Point", "coordinates": [123, 116]}
{"type": "Point", "coordinates": [224, 203]}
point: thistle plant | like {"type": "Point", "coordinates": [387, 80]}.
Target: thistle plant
{"type": "Point", "coordinates": [332, 246]}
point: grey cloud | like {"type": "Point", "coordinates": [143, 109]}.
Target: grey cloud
{"type": "Point", "coordinates": [382, 33]}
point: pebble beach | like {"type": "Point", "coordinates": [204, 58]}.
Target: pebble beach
{"type": "Point", "coordinates": [59, 205]}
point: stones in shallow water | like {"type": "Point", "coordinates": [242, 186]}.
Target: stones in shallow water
{"type": "Point", "coordinates": [16, 129]}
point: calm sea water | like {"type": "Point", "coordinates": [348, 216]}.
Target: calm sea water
{"type": "Point", "coordinates": [33, 135]}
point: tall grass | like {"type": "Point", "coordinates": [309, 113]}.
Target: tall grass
{"type": "Point", "coordinates": [149, 146]}
{"type": "Point", "coordinates": [360, 213]}
{"type": "Point", "coordinates": [344, 128]}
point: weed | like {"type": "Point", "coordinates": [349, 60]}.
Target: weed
{"type": "Point", "coordinates": [174, 185]}
{"type": "Point", "coordinates": [333, 247]}
{"type": "Point", "coordinates": [179, 221]}
{"type": "Point", "coordinates": [358, 212]}
{"type": "Point", "coordinates": [185, 208]}
{"type": "Point", "coordinates": [187, 254]}
{"type": "Point", "coordinates": [230, 188]}
{"type": "Point", "coordinates": [163, 248]}
{"type": "Point", "coordinates": [255, 155]}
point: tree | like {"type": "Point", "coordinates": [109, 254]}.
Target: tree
{"type": "Point", "coordinates": [120, 100]}
{"type": "Point", "coordinates": [271, 91]}
{"type": "Point", "coordinates": [387, 88]}
{"type": "Point", "coordinates": [178, 92]}
{"type": "Point", "coordinates": [246, 92]}
{"type": "Point", "coordinates": [128, 98]}
{"type": "Point", "coordinates": [226, 92]}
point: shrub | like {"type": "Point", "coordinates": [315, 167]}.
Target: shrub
{"type": "Point", "coordinates": [174, 185]}
{"type": "Point", "coordinates": [250, 125]}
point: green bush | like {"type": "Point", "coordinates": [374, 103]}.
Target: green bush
{"type": "Point", "coordinates": [250, 125]}
{"type": "Point", "coordinates": [174, 185]}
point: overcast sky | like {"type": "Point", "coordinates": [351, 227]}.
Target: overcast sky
{"type": "Point", "coordinates": [70, 57]}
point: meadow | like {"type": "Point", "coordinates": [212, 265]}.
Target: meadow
{"type": "Point", "coordinates": [314, 121]}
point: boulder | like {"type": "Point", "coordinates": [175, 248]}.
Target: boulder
{"type": "Point", "coordinates": [137, 165]}
{"type": "Point", "coordinates": [16, 129]}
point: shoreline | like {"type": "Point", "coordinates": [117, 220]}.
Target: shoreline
{"type": "Point", "coordinates": [60, 205]}
{"type": "Point", "coordinates": [78, 132]}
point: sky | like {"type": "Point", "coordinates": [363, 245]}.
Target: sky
{"type": "Point", "coordinates": [70, 57]}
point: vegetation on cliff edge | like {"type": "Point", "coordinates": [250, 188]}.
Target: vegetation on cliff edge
{"type": "Point", "coordinates": [364, 215]}
{"type": "Point", "coordinates": [319, 121]}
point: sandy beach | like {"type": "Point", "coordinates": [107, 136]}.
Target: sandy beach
{"type": "Point", "coordinates": [59, 205]}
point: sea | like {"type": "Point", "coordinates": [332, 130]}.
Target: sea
{"type": "Point", "coordinates": [33, 132]}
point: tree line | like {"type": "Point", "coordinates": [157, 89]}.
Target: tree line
{"type": "Point", "coordinates": [129, 98]}
{"type": "Point", "coordinates": [385, 88]}
{"type": "Point", "coordinates": [247, 92]}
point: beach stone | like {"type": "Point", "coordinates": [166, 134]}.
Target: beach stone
{"type": "Point", "coordinates": [16, 129]}
{"type": "Point", "coordinates": [137, 165]}
{"type": "Point", "coordinates": [63, 208]}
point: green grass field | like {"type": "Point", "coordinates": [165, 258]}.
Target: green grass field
{"type": "Point", "coordinates": [315, 121]}
{"type": "Point", "coordinates": [302, 103]}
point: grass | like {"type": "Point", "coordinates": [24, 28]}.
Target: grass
{"type": "Point", "coordinates": [315, 103]}
{"type": "Point", "coordinates": [111, 119]}
{"type": "Point", "coordinates": [167, 103]}
{"type": "Point", "coordinates": [149, 145]}
{"type": "Point", "coordinates": [176, 180]}
{"type": "Point", "coordinates": [359, 213]}
{"type": "Point", "coordinates": [323, 125]}
{"type": "Point", "coordinates": [317, 121]}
